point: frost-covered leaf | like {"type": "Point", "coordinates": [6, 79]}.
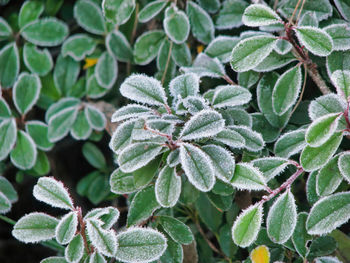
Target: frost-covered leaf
{"type": "Point", "coordinates": [75, 249]}
{"type": "Point", "coordinates": [230, 15]}
{"type": "Point", "coordinates": [118, 45]}
{"type": "Point", "coordinates": [173, 253]}
{"type": "Point", "coordinates": [229, 96]}
{"type": "Point", "coordinates": [328, 178]}
{"type": "Point", "coordinates": [26, 92]}
{"type": "Point", "coordinates": [311, 193]}
{"type": "Point", "coordinates": [282, 218]}
{"type": "Point", "coordinates": [222, 160]}
{"type": "Point", "coordinates": [30, 11]}
{"type": "Point", "coordinates": [54, 260]}
{"type": "Point", "coordinates": [97, 258]}
{"type": "Point", "coordinates": [308, 19]}
{"type": "Point", "coordinates": [177, 230]}
{"type": "Point", "coordinates": [283, 47]}
{"type": "Point", "coordinates": [260, 15]}
{"type": "Point", "coordinates": [81, 129]}
{"type": "Point", "coordinates": [8, 137]}
{"type": "Point", "coordinates": [236, 116]}
{"type": "Point", "coordinates": [95, 117]}
{"type": "Point", "coordinates": [247, 177]}
{"type": "Point", "coordinates": [78, 46]}
{"type": "Point", "coordinates": [168, 187]}
{"type": "Point", "coordinates": [93, 89]}
{"type": "Point", "coordinates": [35, 227]}
{"type": "Point", "coordinates": [122, 183]}
{"type": "Point", "coordinates": [24, 153]}
{"type": "Point", "coordinates": [65, 73]}
{"type": "Point", "coordinates": [89, 16]}
{"type": "Point", "coordinates": [247, 226]}
{"type": "Point", "coordinates": [300, 236]}
{"type": "Point", "coordinates": [45, 32]}
{"type": "Point", "coordinates": [107, 215]}
{"type": "Point", "coordinates": [5, 29]}
{"type": "Point", "coordinates": [206, 123]}
{"type": "Point", "coordinates": [5, 111]}
{"type": "Point", "coordinates": [106, 70]}
{"type": "Point", "coordinates": [248, 53]}
{"type": "Point", "coordinates": [253, 141]}
{"type": "Point", "coordinates": [230, 138]}
{"type": "Point", "coordinates": [344, 165]}
{"type": "Point", "coordinates": [5, 204]}
{"type": "Point", "coordinates": [121, 138]}
{"type": "Point", "coordinates": [181, 55]}
{"type": "Point", "coordinates": [140, 245]}
{"type": "Point", "coordinates": [341, 80]}
{"type": "Point", "coordinates": [290, 143]}
{"type": "Point", "coordinates": [327, 260]}
{"type": "Point", "coordinates": [144, 89]}
{"type": "Point", "coordinates": [184, 85]}
{"type": "Point", "coordinates": [262, 126]}
{"type": "Point", "coordinates": [150, 10]}
{"type": "Point", "coordinates": [313, 158]}
{"type": "Point", "coordinates": [173, 158]}
{"type": "Point", "coordinates": [340, 36]}
{"type": "Point", "coordinates": [202, 26]}
{"type": "Point", "coordinates": [66, 228]}
{"type": "Point", "coordinates": [131, 111]}
{"type": "Point", "coordinates": [147, 46]}
{"type": "Point", "coordinates": [94, 156]}
{"type": "Point", "coordinates": [61, 122]}
{"type": "Point", "coordinates": [328, 213]}
{"type": "Point", "coordinates": [176, 24]}
{"type": "Point", "coordinates": [194, 104]}
{"type": "Point", "coordinates": [52, 192]}
{"type": "Point", "coordinates": [8, 190]}
{"type": "Point", "coordinates": [197, 167]}
{"type": "Point", "coordinates": [221, 48]}
{"type": "Point", "coordinates": [248, 78]}
{"type": "Point", "coordinates": [39, 133]}
{"type": "Point", "coordinates": [36, 60]}
{"type": "Point", "coordinates": [316, 40]}
{"type": "Point", "coordinates": [118, 11]}
{"type": "Point", "coordinates": [9, 65]}
{"type": "Point", "coordinates": [343, 8]}
{"type": "Point", "coordinates": [205, 66]}
{"type": "Point", "coordinates": [274, 61]}
{"type": "Point", "coordinates": [270, 166]}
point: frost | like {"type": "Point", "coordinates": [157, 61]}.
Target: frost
{"type": "Point", "coordinates": [60, 106]}
{"type": "Point", "coordinates": [106, 70]}
{"type": "Point", "coordinates": [52, 192]}
{"type": "Point", "coordinates": [168, 187]}
{"type": "Point", "coordinates": [8, 190]}
{"type": "Point", "coordinates": [173, 20]}
{"type": "Point", "coordinates": [89, 16]}
{"type": "Point", "coordinates": [340, 35]}
{"type": "Point", "coordinates": [229, 96]}
{"type": "Point", "coordinates": [341, 80]}
{"type": "Point", "coordinates": [327, 260]}
{"type": "Point", "coordinates": [131, 111]}
{"type": "Point", "coordinates": [8, 130]}
{"type": "Point", "coordinates": [122, 183]}
{"type": "Point", "coordinates": [235, 116]}
{"type": "Point", "coordinates": [24, 154]}
{"type": "Point", "coordinates": [78, 46]}
{"type": "Point", "coordinates": [230, 138]}
{"type": "Point", "coordinates": [270, 166]}
{"type": "Point", "coordinates": [253, 140]}
{"type": "Point", "coordinates": [328, 178]}
{"type": "Point", "coordinates": [290, 143]}
{"type": "Point", "coordinates": [283, 47]}
{"type": "Point", "coordinates": [176, 229]}
{"type": "Point", "coordinates": [344, 165]}
{"type": "Point", "coordinates": [95, 117]}
{"type": "Point", "coordinates": [194, 104]}
{"type": "Point", "coordinates": [221, 48]}
{"type": "Point", "coordinates": [97, 258]}
{"type": "Point", "coordinates": [205, 66]}
{"type": "Point", "coordinates": [75, 249]}
{"type": "Point", "coordinates": [184, 85]}
{"type": "Point", "coordinates": [5, 204]}
{"type": "Point", "coordinates": [260, 15]}
{"type": "Point", "coordinates": [121, 138]}
{"type": "Point", "coordinates": [247, 177]}
{"type": "Point", "coordinates": [66, 228]}
{"type": "Point", "coordinates": [173, 158]}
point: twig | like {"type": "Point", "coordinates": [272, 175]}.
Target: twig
{"type": "Point", "coordinates": [82, 230]}
{"type": "Point", "coordinates": [316, 77]}
{"type": "Point", "coordinates": [229, 80]}
{"type": "Point", "coordinates": [301, 9]}
{"type": "Point", "coordinates": [275, 4]}
{"type": "Point", "coordinates": [167, 62]}
{"type": "Point", "coordinates": [7, 220]}
{"type": "Point", "coordinates": [295, 10]}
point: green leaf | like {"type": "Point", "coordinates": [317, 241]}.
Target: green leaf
{"type": "Point", "coordinates": [106, 70]}
{"type": "Point", "coordinates": [66, 228]}
{"type": "Point", "coordinates": [75, 249]}
{"type": "Point", "coordinates": [270, 166]}
{"type": "Point", "coordinates": [5, 204]}
{"type": "Point", "coordinates": [8, 137]}
{"type": "Point", "coordinates": [93, 89]}
{"type": "Point", "coordinates": [176, 25]}
{"type": "Point", "coordinates": [36, 60]}
{"type": "Point", "coordinates": [130, 111]}
{"type": "Point", "coordinates": [168, 187]}
{"type": "Point", "coordinates": [308, 19]}
{"type": "Point", "coordinates": [230, 138]}
{"type": "Point", "coordinates": [60, 123]}
{"type": "Point", "coordinates": [177, 230]}
{"type": "Point", "coordinates": [327, 260]}
{"type": "Point", "coordinates": [230, 96]}
{"type": "Point", "coordinates": [300, 236]}
{"type": "Point", "coordinates": [54, 260]}
{"type": "Point", "coordinates": [313, 158]}
{"type": "Point", "coordinates": [60, 106]}
{"type": "Point", "coordinates": [311, 193]}
{"type": "Point", "coordinates": [181, 55]}
{"type": "Point", "coordinates": [118, 45]}
{"type": "Point", "coordinates": [122, 183]}
{"type": "Point", "coordinates": [140, 245]}
{"type": "Point", "coordinates": [121, 138]}
{"type": "Point", "coordinates": [340, 36]}
{"type": "Point", "coordinates": [316, 40]}
{"type": "Point", "coordinates": [230, 15]}
{"type": "Point", "coordinates": [5, 111]}
{"type": "Point", "coordinates": [260, 15]}
{"type": "Point", "coordinates": [8, 190]}
{"type": "Point", "coordinates": [150, 10]}
{"type": "Point", "coordinates": [290, 143]}
{"type": "Point", "coordinates": [221, 48]}
{"type": "Point", "coordinates": [5, 29]}
{"type": "Point", "coordinates": [341, 80]}
{"type": "Point", "coordinates": [30, 11]}
{"type": "Point", "coordinates": [35, 227]}
{"type": "Point", "coordinates": [236, 116]}
{"type": "Point", "coordinates": [205, 66]}
{"type": "Point", "coordinates": [24, 153]}
{"type": "Point", "coordinates": [329, 178]}
{"type": "Point", "coordinates": [94, 156]}
{"type": "Point", "coordinates": [184, 86]}
{"type": "Point", "coordinates": [45, 32]}
{"type": "Point", "coordinates": [26, 92]}
{"type": "Point", "coordinates": [39, 133]}
{"type": "Point", "coordinates": [344, 165]}
{"type": "Point", "coordinates": [9, 65]}
{"type": "Point", "coordinates": [282, 218]}
{"type": "Point", "coordinates": [328, 213]}
{"type": "Point", "coordinates": [118, 11]}
{"type": "Point", "coordinates": [81, 129]}
{"type": "Point", "coordinates": [197, 166]}
{"type": "Point", "coordinates": [142, 206]}
{"type": "Point", "coordinates": [95, 118]}
{"type": "Point", "coordinates": [321, 246]}
{"type": "Point", "coordinates": [89, 17]}
{"type": "Point", "coordinates": [247, 226]}
{"type": "Point", "coordinates": [337, 60]}
{"type": "Point", "coordinates": [262, 126]}
{"type": "Point", "coordinates": [208, 214]}
{"type": "Point", "coordinates": [147, 45]}
{"type": "Point", "coordinates": [144, 175]}
{"type": "Point", "coordinates": [248, 53]}
{"type": "Point", "coordinates": [202, 26]}
{"type": "Point", "coordinates": [173, 253]}
{"type": "Point", "coordinates": [283, 47]}
{"type": "Point", "coordinates": [42, 165]}
{"type": "Point", "coordinates": [275, 61]}
{"type": "Point", "coordinates": [248, 79]}
{"type": "Point", "coordinates": [78, 46]}
{"type": "Point", "coordinates": [221, 202]}
{"type": "Point", "coordinates": [97, 258]}
{"type": "Point", "coordinates": [253, 141]}
{"type": "Point", "coordinates": [248, 177]}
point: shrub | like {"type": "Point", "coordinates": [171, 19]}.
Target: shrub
{"type": "Point", "coordinates": [229, 143]}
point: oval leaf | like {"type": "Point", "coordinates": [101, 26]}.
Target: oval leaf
{"type": "Point", "coordinates": [168, 187]}
{"type": "Point", "coordinates": [260, 15]}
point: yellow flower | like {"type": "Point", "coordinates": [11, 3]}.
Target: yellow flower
{"type": "Point", "coordinates": [260, 254]}
{"type": "Point", "coordinates": [200, 49]}
{"type": "Point", "coordinates": [90, 62]}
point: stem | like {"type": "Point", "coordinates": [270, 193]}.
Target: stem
{"type": "Point", "coordinates": [316, 77]}
{"type": "Point", "coordinates": [301, 9]}
{"type": "Point", "coordinates": [346, 115]}
{"type": "Point", "coordinates": [7, 220]}
{"type": "Point", "coordinates": [167, 61]}
{"type": "Point", "coordinates": [295, 10]}
{"type": "Point", "coordinates": [82, 230]}
{"type": "Point", "coordinates": [229, 80]}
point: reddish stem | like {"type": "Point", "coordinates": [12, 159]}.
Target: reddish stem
{"type": "Point", "coordinates": [82, 229]}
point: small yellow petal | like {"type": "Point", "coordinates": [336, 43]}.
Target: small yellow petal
{"type": "Point", "coordinates": [260, 254]}
{"type": "Point", "coordinates": [89, 62]}
{"type": "Point", "coordinates": [200, 49]}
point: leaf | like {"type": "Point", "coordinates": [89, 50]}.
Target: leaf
{"type": "Point", "coordinates": [93, 89]}
{"type": "Point", "coordinates": [147, 45]}
{"type": "Point", "coordinates": [340, 36]}
{"type": "Point", "coordinates": [290, 143]}
{"type": "Point", "coordinates": [328, 213]}
{"type": "Point", "coordinates": [321, 246]}
{"type": "Point", "coordinates": [206, 123]}
{"type": "Point", "coordinates": [95, 118]}
{"type": "Point", "coordinates": [260, 15]}
{"type": "Point", "coordinates": [150, 10]}
{"type": "Point", "coordinates": [229, 96]}
{"type": "Point", "coordinates": [282, 218]}
{"type": "Point", "coordinates": [248, 79]}
{"type": "Point", "coordinates": [9, 65]}
{"type": "Point", "coordinates": [313, 158]}
{"type": "Point", "coordinates": [344, 165]}
{"type": "Point", "coordinates": [253, 140]}
{"type": "Point", "coordinates": [230, 15]}
{"type": "Point", "coordinates": [54, 260]}
{"type": "Point", "coordinates": [94, 156]}
{"type": "Point", "coordinates": [142, 206]}
{"type": "Point", "coordinates": [26, 92]}
{"type": "Point", "coordinates": [122, 183]}
{"type": "Point", "coordinates": [5, 111]}
{"type": "Point", "coordinates": [197, 167]}
{"type": "Point", "coordinates": [144, 175]}
{"type": "Point", "coordinates": [118, 45]}
{"type": "Point", "coordinates": [66, 228]}
{"type": "Point", "coordinates": [327, 260]}
{"type": "Point", "coordinates": [275, 61]}
{"type": "Point", "coordinates": [61, 122]}
{"type": "Point", "coordinates": [208, 213]}
{"type": "Point", "coordinates": [230, 138]}
{"type": "Point", "coordinates": [222, 160]}
{"type": "Point", "coordinates": [5, 29]}
{"type": "Point", "coordinates": [262, 126]}
{"type": "Point", "coordinates": [130, 111]}
{"type": "Point", "coordinates": [300, 236]}
{"type": "Point", "coordinates": [341, 80]}
{"type": "Point", "coordinates": [81, 129]}
{"type": "Point", "coordinates": [181, 55]}
{"type": "Point", "coordinates": [52, 192]}
{"type": "Point", "coordinates": [5, 204]}
{"type": "Point", "coordinates": [144, 89]}
{"type": "Point", "coordinates": [89, 17]}
{"type": "Point", "coordinates": [24, 153]}
{"type": "Point", "coordinates": [36, 60]}
{"type": "Point", "coordinates": [35, 227]}
{"type": "Point", "coordinates": [30, 11]}
{"type": "Point", "coordinates": [65, 73]}
{"type": "Point", "coordinates": [202, 26]}
{"type": "Point", "coordinates": [205, 66]}
{"type": "Point", "coordinates": [78, 46]}
{"type": "Point", "coordinates": [247, 177]}
{"type": "Point", "coordinates": [45, 32]}
{"type": "Point", "coordinates": [106, 70]}
{"type": "Point", "coordinates": [168, 187]}
{"type": "Point", "coordinates": [260, 254]}
{"type": "Point", "coordinates": [184, 86]}
{"type": "Point", "coordinates": [173, 253]}
{"type": "Point", "coordinates": [247, 225]}
{"type": "Point", "coordinates": [316, 40]}
{"type": "Point", "coordinates": [176, 24]}
{"type": "Point", "coordinates": [309, 18]}
{"type": "Point", "coordinates": [121, 138]}
{"type": "Point", "coordinates": [8, 137]}
{"type": "Point", "coordinates": [311, 193]}
{"type": "Point", "coordinates": [97, 258]}
{"type": "Point", "coordinates": [235, 116]}
{"type": "Point", "coordinates": [221, 48]}
{"type": "Point", "coordinates": [104, 241]}
{"type": "Point", "coordinates": [38, 131]}
{"type": "Point", "coordinates": [270, 166]}
{"type": "Point", "coordinates": [250, 52]}
{"type": "Point", "coordinates": [177, 230]}
{"type": "Point", "coordinates": [140, 245]}
{"type": "Point", "coordinates": [75, 249]}
{"type": "Point", "coordinates": [8, 190]}
{"type": "Point", "coordinates": [173, 158]}
{"type": "Point", "coordinates": [118, 12]}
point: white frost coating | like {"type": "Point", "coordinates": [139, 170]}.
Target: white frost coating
{"type": "Point", "coordinates": [260, 15]}
{"type": "Point", "coordinates": [59, 106]}
{"type": "Point", "coordinates": [78, 54]}
{"type": "Point", "coordinates": [246, 237]}
{"type": "Point", "coordinates": [131, 111]}
{"type": "Point", "coordinates": [9, 140]}
{"type": "Point", "coordinates": [121, 138]}
{"type": "Point", "coordinates": [94, 8]}
{"type": "Point", "coordinates": [52, 192]}
{"type": "Point", "coordinates": [105, 241]}
{"type": "Point", "coordinates": [75, 249]}
{"type": "Point", "coordinates": [173, 158]}
{"type": "Point", "coordinates": [282, 218]}
{"type": "Point", "coordinates": [230, 96]}
{"type": "Point", "coordinates": [270, 166]}
{"type": "Point", "coordinates": [5, 204]}
{"type": "Point", "coordinates": [181, 17]}
{"type": "Point", "coordinates": [283, 47]}
{"type": "Point", "coordinates": [45, 52]}
{"type": "Point", "coordinates": [66, 228]}
{"type": "Point", "coordinates": [247, 177]}
{"type": "Point", "coordinates": [184, 85]}
{"type": "Point", "coordinates": [106, 66]}
{"type": "Point", "coordinates": [35, 227]}
{"type": "Point", "coordinates": [144, 89]}
{"type": "Point", "coordinates": [197, 166]}
{"type": "Point", "coordinates": [205, 66]}
{"type": "Point", "coordinates": [168, 187]}
{"type": "Point", "coordinates": [204, 124]}
{"type": "Point", "coordinates": [328, 177]}
{"type": "Point", "coordinates": [330, 103]}
{"type": "Point", "coordinates": [92, 114]}
{"type": "Point", "coordinates": [327, 260]}
{"type": "Point", "coordinates": [110, 213]}
{"type": "Point", "coordinates": [195, 104]}
{"type": "Point", "coordinates": [341, 80]}
{"type": "Point", "coordinates": [96, 257]}
{"type": "Point", "coordinates": [31, 152]}
{"type": "Point", "coordinates": [140, 245]}
{"type": "Point", "coordinates": [290, 143]}
{"type": "Point", "coordinates": [253, 140]}
{"type": "Point", "coordinates": [218, 43]}
{"type": "Point", "coordinates": [340, 35]}
{"type": "Point", "coordinates": [230, 138]}
{"type": "Point", "coordinates": [344, 165]}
